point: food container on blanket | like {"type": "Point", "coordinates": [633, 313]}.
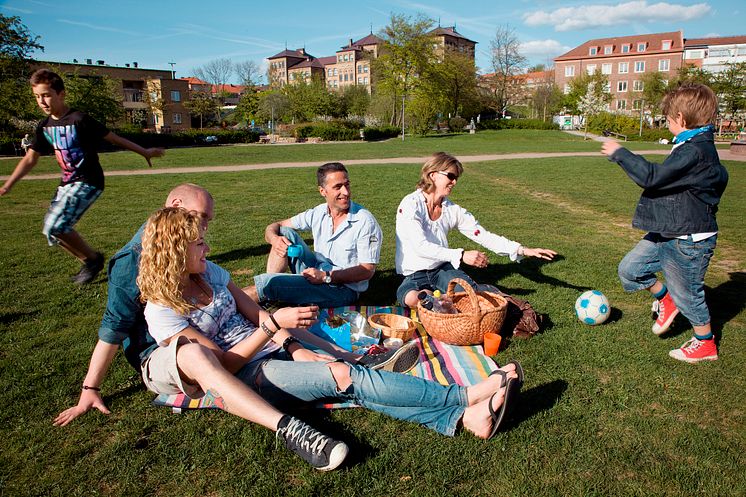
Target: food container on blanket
{"type": "Point", "coordinates": [393, 325]}
{"type": "Point", "coordinates": [349, 330]}
{"type": "Point", "coordinates": [362, 335]}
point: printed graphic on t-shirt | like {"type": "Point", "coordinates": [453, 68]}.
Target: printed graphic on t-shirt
{"type": "Point", "coordinates": [67, 148]}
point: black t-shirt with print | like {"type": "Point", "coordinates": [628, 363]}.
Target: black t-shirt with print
{"type": "Point", "coordinates": [74, 139]}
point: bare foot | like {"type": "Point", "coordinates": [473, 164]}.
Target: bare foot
{"type": "Point", "coordinates": [485, 388]}
{"type": "Point", "coordinates": [477, 418]}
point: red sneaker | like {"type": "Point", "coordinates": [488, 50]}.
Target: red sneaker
{"type": "Point", "coordinates": [666, 310]}
{"type": "Point", "coordinates": [696, 350]}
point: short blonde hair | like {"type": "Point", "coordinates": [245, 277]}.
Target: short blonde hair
{"type": "Point", "coordinates": [697, 103]}
{"type": "Point", "coordinates": [165, 240]}
{"type": "Point", "coordinates": [440, 161]}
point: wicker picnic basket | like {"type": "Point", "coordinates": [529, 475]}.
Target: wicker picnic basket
{"type": "Point", "coordinates": [393, 325]}
{"type": "Point", "coordinates": [479, 313]}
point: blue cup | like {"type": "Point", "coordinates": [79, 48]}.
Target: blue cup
{"type": "Point", "coordinates": [295, 251]}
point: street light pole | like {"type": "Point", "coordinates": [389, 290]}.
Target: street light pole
{"type": "Point", "coordinates": [642, 111]}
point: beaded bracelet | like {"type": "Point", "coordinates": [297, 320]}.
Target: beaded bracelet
{"type": "Point", "coordinates": [267, 331]}
{"type": "Point", "coordinates": [288, 342]}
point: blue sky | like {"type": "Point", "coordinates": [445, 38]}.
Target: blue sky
{"type": "Point", "coordinates": [191, 33]}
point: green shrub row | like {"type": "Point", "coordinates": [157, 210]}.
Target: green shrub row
{"type": "Point", "coordinates": [189, 138]}
{"type": "Point", "coordinates": [626, 125]}
{"type": "Point", "coordinates": [380, 133]}
{"type": "Point", "coordinates": [516, 124]}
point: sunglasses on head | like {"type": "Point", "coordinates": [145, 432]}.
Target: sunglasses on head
{"type": "Point", "coordinates": [451, 176]}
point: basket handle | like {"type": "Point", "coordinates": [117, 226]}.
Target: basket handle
{"type": "Point", "coordinates": [473, 299]}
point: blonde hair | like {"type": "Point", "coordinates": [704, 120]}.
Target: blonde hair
{"type": "Point", "coordinates": [165, 240]}
{"type": "Point", "coordinates": [697, 103]}
{"type": "Point", "coordinates": [440, 161]}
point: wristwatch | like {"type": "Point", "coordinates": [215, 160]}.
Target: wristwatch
{"type": "Point", "coordinates": [327, 277]}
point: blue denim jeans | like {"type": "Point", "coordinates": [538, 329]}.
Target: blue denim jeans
{"type": "Point", "coordinates": [294, 288]}
{"type": "Point", "coordinates": [282, 383]}
{"type": "Point", "coordinates": [433, 279]}
{"type": "Point", "coordinates": [683, 264]}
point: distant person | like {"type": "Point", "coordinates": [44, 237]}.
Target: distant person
{"type": "Point", "coordinates": [25, 143]}
{"type": "Point", "coordinates": [677, 208]}
{"type": "Point", "coordinates": [73, 137]}
{"type": "Point", "coordinates": [347, 246]}
{"type": "Point", "coordinates": [423, 220]}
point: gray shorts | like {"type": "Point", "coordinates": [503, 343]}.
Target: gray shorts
{"type": "Point", "coordinates": [161, 374]}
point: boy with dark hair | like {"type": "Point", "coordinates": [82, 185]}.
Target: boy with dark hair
{"type": "Point", "coordinates": [677, 209]}
{"type": "Point", "coordinates": [73, 137]}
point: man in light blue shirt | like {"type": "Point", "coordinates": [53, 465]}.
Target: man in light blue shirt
{"type": "Point", "coordinates": [347, 246]}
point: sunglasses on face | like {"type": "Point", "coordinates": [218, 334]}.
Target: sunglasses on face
{"type": "Point", "coordinates": [451, 176]}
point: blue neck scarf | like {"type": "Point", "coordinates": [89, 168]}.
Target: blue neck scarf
{"type": "Point", "coordinates": [688, 134]}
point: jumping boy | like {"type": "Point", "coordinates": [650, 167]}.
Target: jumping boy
{"type": "Point", "coordinates": [677, 209]}
{"type": "Point", "coordinates": [73, 137]}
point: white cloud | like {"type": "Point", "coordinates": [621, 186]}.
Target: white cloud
{"type": "Point", "coordinates": [591, 16]}
{"type": "Point", "coordinates": [538, 49]}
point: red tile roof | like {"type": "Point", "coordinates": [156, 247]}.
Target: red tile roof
{"type": "Point", "coordinates": [328, 61]}
{"type": "Point", "coordinates": [653, 46]}
{"type": "Point", "coordinates": [718, 40]}
{"type": "Point", "coordinates": [299, 53]}
{"type": "Point", "coordinates": [310, 62]}
{"type": "Point", "coordinates": [194, 81]}
{"type": "Point", "coordinates": [371, 39]}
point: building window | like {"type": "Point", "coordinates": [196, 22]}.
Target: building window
{"type": "Point", "coordinates": [626, 47]}
{"type": "Point", "coordinates": [621, 104]}
{"type": "Point", "coordinates": [641, 47]}
{"type": "Point", "coordinates": [569, 71]}
{"type": "Point", "coordinates": [175, 96]}
{"type": "Point", "coordinates": [621, 86]}
{"type": "Point", "coordinates": [608, 49]}
{"type": "Point", "coordinates": [623, 67]}
{"type": "Point", "coordinates": [695, 54]}
{"type": "Point", "coordinates": [607, 87]}
{"type": "Point", "coordinates": [666, 45]}
{"type": "Point", "coordinates": [360, 68]}
{"type": "Point", "coordinates": [640, 66]}
{"type": "Point", "coordinates": [637, 104]}
{"type": "Point", "coordinates": [360, 80]}
{"type": "Point", "coordinates": [638, 85]}
{"type": "Point", "coordinates": [366, 69]}
{"type": "Point", "coordinates": [335, 71]}
{"type": "Point", "coordinates": [591, 68]}
{"type": "Point", "coordinates": [177, 118]}
{"type": "Point", "coordinates": [365, 80]}
{"type": "Point", "coordinates": [593, 51]}
{"type": "Point", "coordinates": [663, 64]}
{"type": "Point", "coordinates": [605, 68]}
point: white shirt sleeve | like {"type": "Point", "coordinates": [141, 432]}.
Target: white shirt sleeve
{"type": "Point", "coordinates": [369, 242]}
{"type": "Point", "coordinates": [468, 225]}
{"type": "Point", "coordinates": [163, 322]}
{"type": "Point", "coordinates": [303, 221]}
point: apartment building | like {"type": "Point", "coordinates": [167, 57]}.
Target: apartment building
{"type": "Point", "coordinates": [714, 54]}
{"type": "Point", "coordinates": [623, 60]}
{"type": "Point", "coordinates": [150, 97]}
{"type": "Point", "coordinates": [351, 65]}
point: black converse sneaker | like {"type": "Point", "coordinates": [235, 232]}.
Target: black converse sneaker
{"type": "Point", "coordinates": [322, 452]}
{"type": "Point", "coordinates": [398, 360]}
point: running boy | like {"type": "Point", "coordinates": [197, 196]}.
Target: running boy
{"type": "Point", "coordinates": [677, 209]}
{"type": "Point", "coordinates": [73, 137]}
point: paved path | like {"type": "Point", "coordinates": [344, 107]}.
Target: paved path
{"type": "Point", "coordinates": [724, 155]}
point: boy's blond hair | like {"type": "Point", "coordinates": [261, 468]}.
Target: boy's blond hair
{"type": "Point", "coordinates": [696, 102]}
{"type": "Point", "coordinates": [167, 234]}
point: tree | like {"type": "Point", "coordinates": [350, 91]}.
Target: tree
{"type": "Point", "coordinates": [452, 84]}
{"type": "Point", "coordinates": [16, 44]}
{"type": "Point", "coordinates": [406, 52]}
{"type": "Point", "coordinates": [654, 88]}
{"type": "Point", "coordinates": [589, 94]}
{"type": "Point", "coordinates": [96, 95]}
{"type": "Point", "coordinates": [354, 101]}
{"type": "Point", "coordinates": [546, 99]}
{"type": "Point", "coordinates": [273, 107]}
{"type": "Point", "coordinates": [309, 99]}
{"type": "Point", "coordinates": [248, 72]}
{"type": "Point", "coordinates": [730, 85]}
{"type": "Point", "coordinates": [202, 104]}
{"type": "Point", "coordinates": [507, 62]}
{"type": "Point", "coordinates": [217, 72]}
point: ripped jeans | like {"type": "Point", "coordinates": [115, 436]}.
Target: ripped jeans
{"type": "Point", "coordinates": [286, 382]}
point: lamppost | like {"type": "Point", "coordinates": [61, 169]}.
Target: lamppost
{"type": "Point", "coordinates": [642, 111]}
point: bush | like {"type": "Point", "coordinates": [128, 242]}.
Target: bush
{"type": "Point", "coordinates": [380, 133]}
{"type": "Point", "coordinates": [517, 124]}
{"type": "Point", "coordinates": [457, 124]}
{"type": "Point", "coordinates": [329, 131]}
{"type": "Point", "coordinates": [187, 138]}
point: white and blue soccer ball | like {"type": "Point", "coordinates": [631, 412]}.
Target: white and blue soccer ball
{"type": "Point", "coordinates": [592, 307]}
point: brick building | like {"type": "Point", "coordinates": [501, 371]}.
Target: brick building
{"type": "Point", "coordinates": [623, 60]}
{"type": "Point", "coordinates": [150, 97]}
{"type": "Point", "coordinates": [713, 54]}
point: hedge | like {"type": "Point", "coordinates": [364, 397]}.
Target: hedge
{"type": "Point", "coordinates": [516, 124]}
{"type": "Point", "coordinates": [380, 133]}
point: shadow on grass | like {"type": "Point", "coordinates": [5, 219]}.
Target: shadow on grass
{"type": "Point", "coordinates": [536, 400]}
{"type": "Point", "coordinates": [11, 317]}
{"type": "Point", "coordinates": [245, 253]}
{"type": "Point", "coordinates": [726, 301]}
{"type": "Point", "coordinates": [529, 269]}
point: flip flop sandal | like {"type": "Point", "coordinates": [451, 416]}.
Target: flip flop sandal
{"type": "Point", "coordinates": [518, 371]}
{"type": "Point", "coordinates": [511, 396]}
{"type": "Point", "coordinates": [503, 374]}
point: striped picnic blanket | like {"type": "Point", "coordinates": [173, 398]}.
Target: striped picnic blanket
{"type": "Point", "coordinates": [446, 364]}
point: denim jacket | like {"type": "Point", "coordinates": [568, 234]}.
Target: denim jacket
{"type": "Point", "coordinates": [124, 319]}
{"type": "Point", "coordinates": [681, 195]}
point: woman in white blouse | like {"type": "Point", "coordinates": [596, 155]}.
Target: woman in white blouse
{"type": "Point", "coordinates": [423, 221]}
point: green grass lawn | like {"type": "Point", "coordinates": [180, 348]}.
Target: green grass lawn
{"type": "Point", "coordinates": [484, 142]}
{"type": "Point", "coordinates": [604, 412]}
